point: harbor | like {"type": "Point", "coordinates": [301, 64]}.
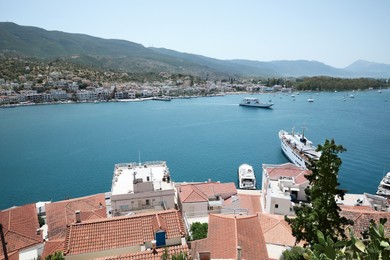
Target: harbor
{"type": "Point", "coordinates": [72, 153]}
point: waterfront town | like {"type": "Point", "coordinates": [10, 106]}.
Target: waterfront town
{"type": "Point", "coordinates": [146, 215]}
{"type": "Point", "coordinates": [36, 83]}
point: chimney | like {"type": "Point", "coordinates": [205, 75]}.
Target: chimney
{"type": "Point", "coordinates": [78, 217]}
{"type": "Point", "coordinates": [239, 253]}
{"type": "Point", "coordinates": [154, 247]}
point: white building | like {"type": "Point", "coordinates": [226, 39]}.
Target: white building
{"type": "Point", "coordinates": [137, 186]}
{"type": "Point", "coordinates": [283, 187]}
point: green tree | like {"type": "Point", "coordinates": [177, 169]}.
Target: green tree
{"type": "Point", "coordinates": [177, 256]}
{"type": "Point", "coordinates": [198, 230]}
{"type": "Point", "coordinates": [56, 256]}
{"type": "Point", "coordinates": [295, 253]}
{"type": "Point", "coordinates": [323, 214]}
{"type": "Point", "coordinates": [375, 246]}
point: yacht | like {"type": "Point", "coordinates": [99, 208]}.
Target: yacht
{"type": "Point", "coordinates": [255, 102]}
{"type": "Point", "coordinates": [246, 177]}
{"type": "Point", "coordinates": [384, 186]}
{"type": "Point", "coordinates": [162, 98]}
{"type": "Point", "coordinates": [297, 148]}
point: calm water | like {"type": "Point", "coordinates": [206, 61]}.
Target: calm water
{"type": "Point", "coordinates": [56, 151]}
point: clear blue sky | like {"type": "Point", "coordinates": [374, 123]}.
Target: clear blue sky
{"type": "Point", "coordinates": [335, 32]}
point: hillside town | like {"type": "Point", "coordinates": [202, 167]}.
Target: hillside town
{"type": "Point", "coordinates": [146, 215]}
{"type": "Point", "coordinates": [26, 82]}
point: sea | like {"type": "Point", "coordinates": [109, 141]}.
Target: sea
{"type": "Point", "coordinates": [55, 152]}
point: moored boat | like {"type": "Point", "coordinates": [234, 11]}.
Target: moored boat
{"type": "Point", "coordinates": [255, 102]}
{"type": "Point", "coordinates": [384, 186]}
{"type": "Point", "coordinates": [164, 98]}
{"type": "Point", "coordinates": [297, 148]}
{"type": "Point", "coordinates": [246, 177]}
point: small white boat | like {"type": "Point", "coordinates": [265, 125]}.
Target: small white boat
{"type": "Point", "coordinates": [163, 98]}
{"type": "Point", "coordinates": [246, 177]}
{"type": "Point", "coordinates": [310, 100]}
{"type": "Point", "coordinates": [255, 102]}
{"type": "Point", "coordinates": [384, 186]}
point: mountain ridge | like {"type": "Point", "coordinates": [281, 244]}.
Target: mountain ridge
{"type": "Point", "coordinates": [125, 55]}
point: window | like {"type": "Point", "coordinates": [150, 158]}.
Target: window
{"type": "Point", "coordinates": [276, 206]}
{"type": "Point", "coordinates": [147, 202]}
{"type": "Point", "coordinates": [124, 207]}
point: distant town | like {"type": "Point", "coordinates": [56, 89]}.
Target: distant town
{"type": "Point", "coordinates": [26, 82]}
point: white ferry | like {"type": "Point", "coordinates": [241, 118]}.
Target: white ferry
{"type": "Point", "coordinates": [297, 148]}
{"type": "Point", "coordinates": [255, 102]}
{"type": "Point", "coordinates": [246, 177]}
{"type": "Point", "coordinates": [384, 186]}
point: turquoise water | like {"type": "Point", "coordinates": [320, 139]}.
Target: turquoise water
{"type": "Point", "coordinates": [58, 151]}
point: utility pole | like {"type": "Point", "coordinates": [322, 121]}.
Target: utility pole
{"type": "Point", "coordinates": [3, 243]}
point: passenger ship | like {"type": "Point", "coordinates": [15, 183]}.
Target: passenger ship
{"type": "Point", "coordinates": [297, 148]}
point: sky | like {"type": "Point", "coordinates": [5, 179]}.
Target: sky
{"type": "Point", "coordinates": [335, 32]}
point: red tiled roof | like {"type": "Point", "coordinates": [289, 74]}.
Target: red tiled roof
{"type": "Point", "coordinates": [276, 230]}
{"type": "Point", "coordinates": [361, 217]}
{"type": "Point", "coordinates": [203, 191]}
{"type": "Point", "coordinates": [52, 246]}
{"type": "Point", "coordinates": [62, 213]}
{"type": "Point", "coordinates": [149, 255]}
{"type": "Point", "coordinates": [226, 232]}
{"type": "Point", "coordinates": [250, 202]}
{"type": "Point", "coordinates": [110, 233]}
{"type": "Point", "coordinates": [20, 226]}
{"type": "Point", "coordinates": [287, 170]}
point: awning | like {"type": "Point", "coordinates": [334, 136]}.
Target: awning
{"type": "Point", "coordinates": [294, 189]}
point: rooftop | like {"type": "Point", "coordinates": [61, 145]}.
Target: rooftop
{"type": "Point", "coordinates": [361, 216]}
{"type": "Point", "coordinates": [119, 232]}
{"type": "Point", "coordinates": [202, 192]}
{"type": "Point", "coordinates": [276, 230]}
{"type": "Point", "coordinates": [227, 232]}
{"type": "Point", "coordinates": [62, 213]}
{"type": "Point", "coordinates": [149, 254]}
{"type": "Point", "coordinates": [126, 174]}
{"type": "Point", "coordinates": [20, 226]}
{"type": "Point", "coordinates": [286, 170]}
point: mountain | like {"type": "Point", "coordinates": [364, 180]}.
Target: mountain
{"type": "Point", "coordinates": [133, 57]}
{"type": "Point", "coordinates": [369, 69]}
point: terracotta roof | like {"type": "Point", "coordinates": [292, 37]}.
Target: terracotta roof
{"type": "Point", "coordinates": [20, 226]}
{"type": "Point", "coordinates": [149, 254]}
{"type": "Point", "coordinates": [203, 191]}
{"type": "Point", "coordinates": [110, 233]}
{"type": "Point", "coordinates": [361, 217]}
{"type": "Point", "coordinates": [226, 232]}
{"type": "Point", "coordinates": [287, 170]}
{"type": "Point", "coordinates": [62, 213]}
{"type": "Point", "coordinates": [276, 230]}
{"type": "Point", "coordinates": [52, 246]}
{"type": "Point", "coordinates": [250, 202]}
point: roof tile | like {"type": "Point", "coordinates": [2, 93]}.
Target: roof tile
{"type": "Point", "coordinates": [62, 213]}
{"type": "Point", "coordinates": [110, 233]}
{"type": "Point", "coordinates": [20, 226]}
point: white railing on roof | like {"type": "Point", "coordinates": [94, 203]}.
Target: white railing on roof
{"type": "Point", "coordinates": [131, 164]}
{"type": "Point", "coordinates": [239, 211]}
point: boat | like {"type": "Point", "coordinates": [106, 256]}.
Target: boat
{"type": "Point", "coordinates": [384, 186]}
{"type": "Point", "coordinates": [310, 100]}
{"type": "Point", "coordinates": [255, 102]}
{"type": "Point", "coordinates": [297, 148]}
{"type": "Point", "coordinates": [246, 177]}
{"type": "Point", "coordinates": [163, 98]}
